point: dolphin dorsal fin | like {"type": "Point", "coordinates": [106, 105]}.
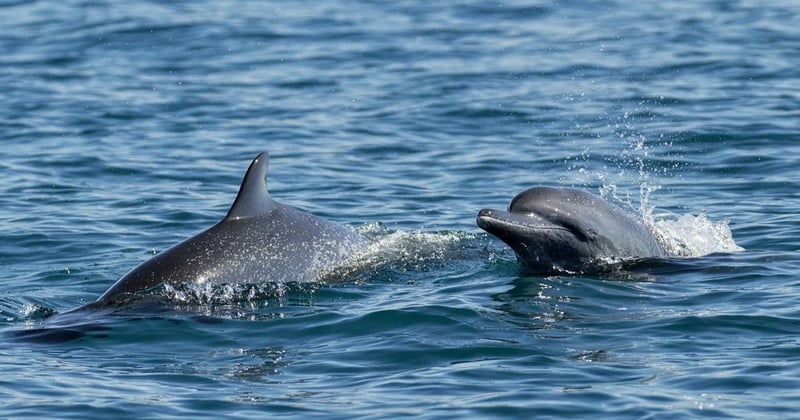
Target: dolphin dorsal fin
{"type": "Point", "coordinates": [253, 198]}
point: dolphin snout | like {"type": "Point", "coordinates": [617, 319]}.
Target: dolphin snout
{"type": "Point", "coordinates": [483, 218]}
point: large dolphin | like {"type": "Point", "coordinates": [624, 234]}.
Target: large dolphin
{"type": "Point", "coordinates": [259, 240]}
{"type": "Point", "coordinates": [557, 230]}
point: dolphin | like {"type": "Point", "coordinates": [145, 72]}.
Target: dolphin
{"type": "Point", "coordinates": [258, 240]}
{"type": "Point", "coordinates": [564, 230]}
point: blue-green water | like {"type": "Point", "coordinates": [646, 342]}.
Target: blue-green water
{"type": "Point", "coordinates": [127, 127]}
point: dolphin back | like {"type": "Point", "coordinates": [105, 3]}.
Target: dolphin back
{"type": "Point", "coordinates": [259, 240]}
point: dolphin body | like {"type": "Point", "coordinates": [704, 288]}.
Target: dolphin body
{"type": "Point", "coordinates": [258, 240]}
{"type": "Point", "coordinates": [564, 230]}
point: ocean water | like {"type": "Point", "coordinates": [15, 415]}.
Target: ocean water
{"type": "Point", "coordinates": [126, 128]}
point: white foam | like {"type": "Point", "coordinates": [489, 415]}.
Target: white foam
{"type": "Point", "coordinates": [408, 249]}
{"type": "Point", "coordinates": [693, 236]}
{"type": "Point", "coordinates": [684, 235]}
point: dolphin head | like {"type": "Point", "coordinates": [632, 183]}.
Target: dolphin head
{"type": "Point", "coordinates": [566, 230]}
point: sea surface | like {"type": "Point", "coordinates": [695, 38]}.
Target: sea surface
{"type": "Point", "coordinates": [126, 127]}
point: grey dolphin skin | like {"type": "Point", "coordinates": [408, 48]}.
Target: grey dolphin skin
{"type": "Point", "coordinates": [564, 230]}
{"type": "Point", "coordinates": [259, 240]}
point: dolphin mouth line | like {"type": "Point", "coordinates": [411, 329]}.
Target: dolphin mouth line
{"type": "Point", "coordinates": [493, 221]}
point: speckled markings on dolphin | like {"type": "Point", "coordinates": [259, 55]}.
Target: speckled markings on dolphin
{"type": "Point", "coordinates": [258, 240]}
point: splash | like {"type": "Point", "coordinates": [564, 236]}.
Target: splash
{"type": "Point", "coordinates": [32, 311]}
{"type": "Point", "coordinates": [647, 159]}
{"type": "Point", "coordinates": [693, 236]}
{"type": "Point", "coordinates": [684, 235]}
{"type": "Point", "coordinates": [409, 250]}
{"type": "Point", "coordinates": [220, 294]}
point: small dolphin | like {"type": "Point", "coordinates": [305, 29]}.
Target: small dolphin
{"type": "Point", "coordinates": [558, 230]}
{"type": "Point", "coordinates": [259, 240]}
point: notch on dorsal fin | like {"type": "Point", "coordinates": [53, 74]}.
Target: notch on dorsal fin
{"type": "Point", "coordinates": [253, 198]}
